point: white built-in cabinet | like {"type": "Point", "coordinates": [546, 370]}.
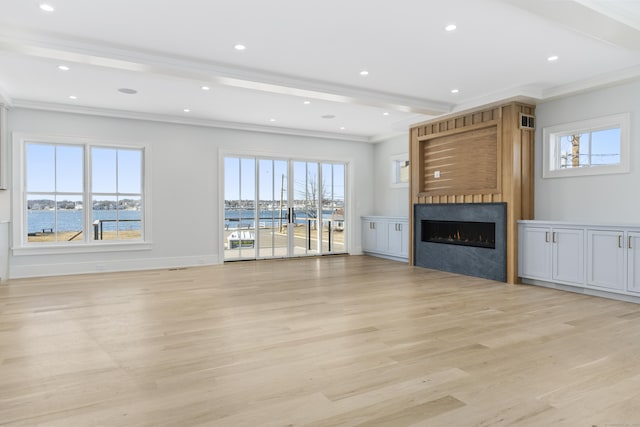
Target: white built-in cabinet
{"type": "Point", "coordinates": [386, 236]}
{"type": "Point", "coordinates": [598, 257]}
{"type": "Point", "coordinates": [552, 254]}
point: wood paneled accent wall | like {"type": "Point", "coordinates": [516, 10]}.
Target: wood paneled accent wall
{"type": "Point", "coordinates": [481, 156]}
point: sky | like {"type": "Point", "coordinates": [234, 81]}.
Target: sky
{"type": "Point", "coordinates": [60, 169]}
{"type": "Point", "coordinates": [240, 179]}
{"type": "Point", "coordinates": [604, 147]}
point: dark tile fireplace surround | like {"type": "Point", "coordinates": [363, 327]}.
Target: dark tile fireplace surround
{"type": "Point", "coordinates": [465, 238]}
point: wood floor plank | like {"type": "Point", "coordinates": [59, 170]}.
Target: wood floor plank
{"type": "Point", "coordinates": [337, 341]}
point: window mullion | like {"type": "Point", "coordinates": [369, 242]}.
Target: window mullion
{"type": "Point", "coordinates": [117, 199]}
{"type": "Point", "coordinates": [87, 196]}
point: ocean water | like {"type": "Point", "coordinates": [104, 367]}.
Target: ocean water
{"type": "Point", "coordinates": [244, 218]}
{"type": "Point", "coordinates": [71, 220]}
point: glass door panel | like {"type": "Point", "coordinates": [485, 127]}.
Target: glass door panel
{"type": "Point", "coordinates": [273, 202]}
{"type": "Point", "coordinates": [333, 208]}
{"type": "Point", "coordinates": [239, 235]}
{"type": "Point", "coordinates": [306, 188]}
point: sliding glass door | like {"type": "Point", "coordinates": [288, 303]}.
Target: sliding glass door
{"type": "Point", "coordinates": [277, 208]}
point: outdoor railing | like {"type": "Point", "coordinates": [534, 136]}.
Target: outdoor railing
{"type": "Point", "coordinates": [98, 227]}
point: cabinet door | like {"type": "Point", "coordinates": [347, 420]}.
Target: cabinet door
{"type": "Point", "coordinates": [382, 237]}
{"type": "Point", "coordinates": [605, 262]}
{"type": "Point", "coordinates": [404, 232]}
{"type": "Point", "coordinates": [398, 239]}
{"type": "Point", "coordinates": [395, 238]}
{"type": "Point", "coordinates": [568, 255]}
{"type": "Point", "coordinates": [633, 261]}
{"type": "Point", "coordinates": [369, 236]}
{"type": "Point", "coordinates": [535, 252]}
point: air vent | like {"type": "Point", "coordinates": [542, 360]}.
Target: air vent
{"type": "Point", "coordinates": [527, 121]}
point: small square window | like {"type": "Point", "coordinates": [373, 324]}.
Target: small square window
{"type": "Point", "coordinates": [400, 170]}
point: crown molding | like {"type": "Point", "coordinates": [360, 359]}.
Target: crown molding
{"type": "Point", "coordinates": [602, 81]}
{"type": "Point", "coordinates": [133, 115]}
{"type": "Point", "coordinates": [387, 136]}
{"type": "Point", "coordinates": [531, 94]}
{"type": "Point", "coordinates": [5, 99]}
{"type": "Point", "coordinates": [145, 61]}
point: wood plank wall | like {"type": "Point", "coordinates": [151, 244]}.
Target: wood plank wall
{"type": "Point", "coordinates": [514, 168]}
{"type": "Point", "coordinates": [466, 162]}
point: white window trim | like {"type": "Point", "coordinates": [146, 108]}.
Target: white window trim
{"type": "Point", "coordinates": [4, 152]}
{"type": "Point", "coordinates": [550, 148]}
{"type": "Point", "coordinates": [21, 247]}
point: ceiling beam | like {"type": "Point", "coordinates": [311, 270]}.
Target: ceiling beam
{"type": "Point", "coordinates": [205, 72]}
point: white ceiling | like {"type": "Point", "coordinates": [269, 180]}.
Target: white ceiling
{"type": "Point", "coordinates": [311, 50]}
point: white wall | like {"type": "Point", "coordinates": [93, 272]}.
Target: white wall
{"type": "Point", "coordinates": [185, 189]}
{"type": "Point", "coordinates": [4, 163]}
{"type": "Point", "coordinates": [602, 198]}
{"type": "Point", "coordinates": [389, 201]}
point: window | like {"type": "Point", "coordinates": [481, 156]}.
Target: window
{"type": "Point", "coordinates": [400, 170]}
{"type": "Point", "coordinates": [590, 147]}
{"type": "Point", "coordinates": [76, 193]}
{"type": "Point", "coordinates": [116, 182]}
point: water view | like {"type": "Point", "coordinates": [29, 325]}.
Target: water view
{"type": "Point", "coordinates": [72, 220]}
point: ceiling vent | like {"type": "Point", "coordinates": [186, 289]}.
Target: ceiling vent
{"type": "Point", "coordinates": [527, 121]}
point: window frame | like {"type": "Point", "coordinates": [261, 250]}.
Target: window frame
{"type": "Point", "coordinates": [396, 160]}
{"type": "Point", "coordinates": [20, 245]}
{"type": "Point", "coordinates": [551, 146]}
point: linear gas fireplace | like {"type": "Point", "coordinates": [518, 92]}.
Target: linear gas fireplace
{"type": "Point", "coordinates": [463, 233]}
{"type": "Point", "coordinates": [466, 238]}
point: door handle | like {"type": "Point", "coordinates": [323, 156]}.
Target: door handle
{"type": "Point", "coordinates": [630, 243]}
{"type": "Point", "coordinates": [553, 238]}
{"type": "Point", "coordinates": [546, 236]}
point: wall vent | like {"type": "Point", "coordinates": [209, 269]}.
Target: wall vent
{"type": "Point", "coordinates": [527, 121]}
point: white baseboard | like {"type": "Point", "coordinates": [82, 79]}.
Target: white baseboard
{"type": "Point", "coordinates": [109, 266]}
{"type": "Point", "coordinates": [620, 296]}
{"type": "Point", "coordinates": [387, 256]}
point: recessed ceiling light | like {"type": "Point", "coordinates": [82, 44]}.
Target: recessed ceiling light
{"type": "Point", "coordinates": [342, 128]}
{"type": "Point", "coordinates": [328, 116]}
{"type": "Point", "coordinates": [47, 7]}
{"type": "Point", "coordinates": [186, 110]}
{"type": "Point", "coordinates": [386, 113]}
{"type": "Point", "coordinates": [553, 58]}
{"type": "Point", "coordinates": [455, 90]}
{"type": "Point", "coordinates": [307, 102]}
{"type": "Point", "coordinates": [127, 91]}
{"type": "Point", "coordinates": [205, 88]}
{"type": "Point", "coordinates": [364, 73]}
{"type": "Point", "coordinates": [450, 27]}
{"type": "Point", "coordinates": [63, 68]}
{"type": "Point", "coordinates": [73, 97]}
{"type": "Point", "coordinates": [239, 47]}
{"type": "Point", "coordinates": [272, 120]}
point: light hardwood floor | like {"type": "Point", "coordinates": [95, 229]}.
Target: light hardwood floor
{"type": "Point", "coordinates": [338, 341]}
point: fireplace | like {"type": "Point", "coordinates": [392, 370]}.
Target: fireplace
{"type": "Point", "coordinates": [464, 233]}
{"type": "Point", "coordinates": [465, 238]}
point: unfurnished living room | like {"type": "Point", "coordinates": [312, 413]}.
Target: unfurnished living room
{"type": "Point", "coordinates": [319, 213]}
